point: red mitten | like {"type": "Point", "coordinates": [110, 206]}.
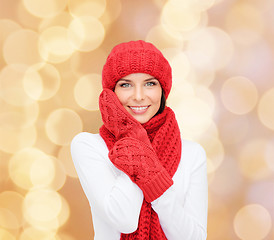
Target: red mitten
{"type": "Point", "coordinates": [117, 120]}
{"type": "Point", "coordinates": [133, 153]}
{"type": "Point", "coordinates": [140, 162]}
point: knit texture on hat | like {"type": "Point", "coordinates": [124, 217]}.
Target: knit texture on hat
{"type": "Point", "coordinates": [136, 57]}
{"type": "Point", "coordinates": [149, 154]}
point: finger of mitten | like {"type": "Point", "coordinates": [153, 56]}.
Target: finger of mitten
{"type": "Point", "coordinates": [109, 111]}
{"type": "Point", "coordinates": [117, 119]}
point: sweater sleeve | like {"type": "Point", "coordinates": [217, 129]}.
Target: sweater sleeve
{"type": "Point", "coordinates": [111, 193]}
{"type": "Point", "coordinates": [182, 209]}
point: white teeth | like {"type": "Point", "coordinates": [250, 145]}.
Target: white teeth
{"type": "Point", "coordinates": [139, 108]}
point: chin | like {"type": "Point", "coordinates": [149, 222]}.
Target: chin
{"type": "Point", "coordinates": [142, 120]}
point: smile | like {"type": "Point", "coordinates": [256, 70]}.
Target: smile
{"type": "Point", "coordinates": [139, 109]}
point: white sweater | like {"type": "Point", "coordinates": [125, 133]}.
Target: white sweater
{"type": "Point", "coordinates": [116, 201]}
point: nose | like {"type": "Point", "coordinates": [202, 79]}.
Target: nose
{"type": "Point", "coordinates": [139, 93]}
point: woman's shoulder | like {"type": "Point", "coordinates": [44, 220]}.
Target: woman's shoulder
{"type": "Point", "coordinates": [83, 136]}
{"type": "Point", "coordinates": [86, 140]}
{"type": "Point", "coordinates": [193, 152]}
{"type": "Point", "coordinates": [189, 145]}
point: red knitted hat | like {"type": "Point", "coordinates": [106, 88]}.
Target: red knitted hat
{"type": "Point", "coordinates": [136, 57]}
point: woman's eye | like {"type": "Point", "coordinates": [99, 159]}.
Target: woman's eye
{"type": "Point", "coordinates": [124, 85]}
{"type": "Point", "coordinates": [150, 84]}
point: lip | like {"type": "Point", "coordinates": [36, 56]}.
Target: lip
{"type": "Point", "coordinates": [139, 109]}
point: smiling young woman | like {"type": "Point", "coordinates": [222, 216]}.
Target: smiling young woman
{"type": "Point", "coordinates": [142, 179]}
{"type": "Point", "coordinates": [140, 94]}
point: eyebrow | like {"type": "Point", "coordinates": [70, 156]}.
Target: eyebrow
{"type": "Point", "coordinates": [128, 80]}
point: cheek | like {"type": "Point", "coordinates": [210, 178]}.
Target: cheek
{"type": "Point", "coordinates": [122, 96]}
{"type": "Point", "coordinates": [156, 96]}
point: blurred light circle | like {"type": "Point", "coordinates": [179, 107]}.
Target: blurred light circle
{"type": "Point", "coordinates": [212, 131]}
{"type": "Point", "coordinates": [33, 84]}
{"type": "Point", "coordinates": [19, 117]}
{"type": "Point", "coordinates": [245, 36]}
{"type": "Point", "coordinates": [62, 125]}
{"type": "Point", "coordinates": [193, 5]}
{"type": "Point", "coordinates": [31, 233]}
{"type": "Point", "coordinates": [210, 171]}
{"type": "Point", "coordinates": [206, 96]}
{"type": "Point", "coordinates": [11, 210]}
{"type": "Point", "coordinates": [65, 236]}
{"type": "Point", "coordinates": [216, 48]}
{"type": "Point", "coordinates": [42, 172]}
{"type": "Point", "coordinates": [4, 176]}
{"type": "Point", "coordinates": [204, 77]}
{"type": "Point", "coordinates": [45, 9]}
{"type": "Point", "coordinates": [64, 156]}
{"type": "Point", "coordinates": [245, 23]}
{"type": "Point", "coordinates": [41, 82]}
{"type": "Point", "coordinates": [59, 178]}
{"type": "Point", "coordinates": [84, 63]}
{"type": "Point", "coordinates": [269, 154]}
{"type": "Point", "coordinates": [7, 26]}
{"type": "Point", "coordinates": [64, 213]}
{"type": "Point", "coordinates": [194, 116]}
{"type": "Point", "coordinates": [31, 167]}
{"type": "Point", "coordinates": [62, 20]}
{"type": "Point", "coordinates": [252, 222]}
{"type": "Point", "coordinates": [265, 109]}
{"type": "Point", "coordinates": [252, 159]}
{"type": "Point", "coordinates": [228, 123]}
{"type": "Point", "coordinates": [54, 45]}
{"type": "Point", "coordinates": [162, 38]}
{"type": "Point", "coordinates": [42, 206]}
{"type": "Point", "coordinates": [25, 18]}
{"type": "Point", "coordinates": [170, 53]}
{"type": "Point", "coordinates": [260, 192]}
{"type": "Point", "coordinates": [179, 18]}
{"type": "Point", "coordinates": [259, 72]}
{"type": "Point", "coordinates": [214, 150]}
{"type": "Point", "coordinates": [37, 212]}
{"type": "Point", "coordinates": [29, 113]}
{"type": "Point", "coordinates": [180, 66]}
{"type": "Point", "coordinates": [223, 188]}
{"type": "Point", "coordinates": [93, 8]}
{"type": "Point", "coordinates": [21, 47]}
{"type": "Point", "coordinates": [218, 1]}
{"type": "Point", "coordinates": [180, 91]}
{"type": "Point", "coordinates": [11, 85]}
{"type": "Point", "coordinates": [221, 212]}
{"type": "Point", "coordinates": [86, 33]}
{"type": "Point", "coordinates": [87, 91]}
{"type": "Point", "coordinates": [5, 235]}
{"type": "Point", "coordinates": [8, 220]}
{"type": "Point", "coordinates": [239, 95]}
{"type": "Point", "coordinates": [21, 136]}
{"type": "Point", "coordinates": [112, 12]}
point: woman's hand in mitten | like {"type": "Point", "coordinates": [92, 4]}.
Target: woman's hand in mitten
{"type": "Point", "coordinates": [118, 120]}
{"type": "Point", "coordinates": [133, 153]}
{"type": "Point", "coordinates": [140, 162]}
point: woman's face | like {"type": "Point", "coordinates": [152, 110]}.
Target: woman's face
{"type": "Point", "coordinates": [140, 94]}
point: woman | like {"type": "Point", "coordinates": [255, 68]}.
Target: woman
{"type": "Point", "coordinates": [142, 180]}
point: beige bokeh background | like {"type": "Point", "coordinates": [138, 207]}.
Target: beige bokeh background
{"type": "Point", "coordinates": [52, 53]}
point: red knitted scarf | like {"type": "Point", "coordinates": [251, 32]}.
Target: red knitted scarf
{"type": "Point", "coordinates": [164, 134]}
